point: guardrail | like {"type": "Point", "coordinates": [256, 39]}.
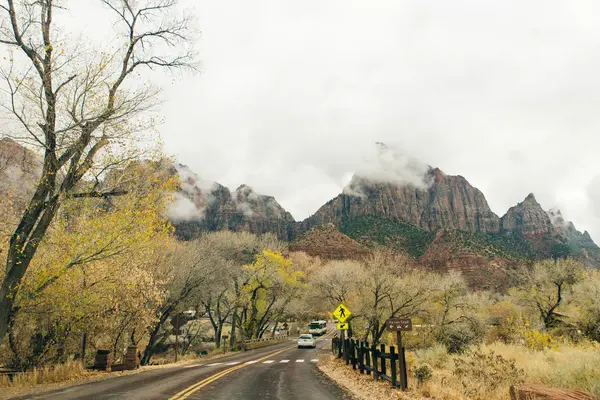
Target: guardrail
{"type": "Point", "coordinates": [263, 342]}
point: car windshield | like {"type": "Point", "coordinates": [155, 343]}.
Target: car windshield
{"type": "Point", "coordinates": [306, 337]}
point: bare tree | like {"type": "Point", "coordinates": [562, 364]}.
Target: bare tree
{"type": "Point", "coordinates": [79, 108]}
{"type": "Point", "coordinates": [390, 287]}
{"type": "Point", "coordinates": [337, 282]}
{"type": "Point", "coordinates": [545, 284]}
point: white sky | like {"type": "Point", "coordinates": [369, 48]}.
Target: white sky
{"type": "Point", "coordinates": [293, 94]}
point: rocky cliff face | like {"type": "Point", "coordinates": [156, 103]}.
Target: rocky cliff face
{"type": "Point", "coordinates": [209, 206]}
{"type": "Point", "coordinates": [579, 244]}
{"type": "Point", "coordinates": [528, 218]}
{"type": "Point", "coordinates": [530, 222]}
{"type": "Point", "coordinates": [20, 168]}
{"type": "Point", "coordinates": [449, 202]}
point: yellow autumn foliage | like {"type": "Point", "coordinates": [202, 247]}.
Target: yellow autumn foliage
{"type": "Point", "coordinates": [96, 272]}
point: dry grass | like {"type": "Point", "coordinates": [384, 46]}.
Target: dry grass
{"type": "Point", "coordinates": [72, 370]}
{"type": "Point", "coordinates": [567, 366]}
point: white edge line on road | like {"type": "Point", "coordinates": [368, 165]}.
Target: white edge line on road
{"type": "Point", "coordinates": [251, 362]}
{"type": "Point", "coordinates": [284, 361]}
{"type": "Point", "coordinates": [314, 360]}
{"type": "Point", "coordinates": [268, 362]}
{"type": "Point", "coordinates": [193, 365]}
{"type": "Point", "coordinates": [299, 360]}
{"type": "Point", "coordinates": [233, 363]}
{"type": "Point", "coordinates": [213, 364]}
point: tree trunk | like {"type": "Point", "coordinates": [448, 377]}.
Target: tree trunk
{"type": "Point", "coordinates": [149, 350]}
{"type": "Point", "coordinates": [16, 357]}
{"type": "Point", "coordinates": [218, 332]}
{"type": "Point", "coordinates": [83, 347]}
{"type": "Point", "coordinates": [233, 326]}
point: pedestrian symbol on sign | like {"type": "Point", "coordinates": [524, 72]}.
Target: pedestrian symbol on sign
{"type": "Point", "coordinates": [342, 313]}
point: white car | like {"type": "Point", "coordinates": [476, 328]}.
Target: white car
{"type": "Point", "coordinates": [307, 340]}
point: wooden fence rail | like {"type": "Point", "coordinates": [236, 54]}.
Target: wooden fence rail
{"type": "Point", "coordinates": [372, 360]}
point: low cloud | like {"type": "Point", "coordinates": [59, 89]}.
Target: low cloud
{"type": "Point", "coordinates": [245, 208]}
{"type": "Point", "coordinates": [249, 203]}
{"type": "Point", "coordinates": [557, 220]}
{"type": "Point", "coordinates": [183, 209]}
{"type": "Point", "coordinates": [388, 164]}
{"type": "Point", "coordinates": [191, 181]}
{"type": "Point", "coordinates": [195, 196]}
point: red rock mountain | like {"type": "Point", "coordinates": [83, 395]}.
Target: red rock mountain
{"type": "Point", "coordinates": [450, 202]}
{"type": "Point", "coordinates": [443, 223]}
{"type": "Point", "coordinates": [209, 206]}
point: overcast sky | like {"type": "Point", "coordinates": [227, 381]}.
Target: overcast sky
{"type": "Point", "coordinates": [293, 94]}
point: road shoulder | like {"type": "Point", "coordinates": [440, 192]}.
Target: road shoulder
{"type": "Point", "coordinates": [362, 387]}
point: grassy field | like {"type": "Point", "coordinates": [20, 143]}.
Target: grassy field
{"type": "Point", "coordinates": [486, 372]}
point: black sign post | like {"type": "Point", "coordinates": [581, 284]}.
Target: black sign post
{"type": "Point", "coordinates": [177, 321]}
{"type": "Point", "coordinates": [399, 325]}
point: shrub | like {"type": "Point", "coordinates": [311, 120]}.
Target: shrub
{"type": "Point", "coordinates": [436, 356]}
{"type": "Point", "coordinates": [459, 337]}
{"type": "Point", "coordinates": [536, 340]}
{"type": "Point", "coordinates": [423, 373]}
{"type": "Point", "coordinates": [482, 373]}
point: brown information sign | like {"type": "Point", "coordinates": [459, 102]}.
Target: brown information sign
{"type": "Point", "coordinates": [399, 324]}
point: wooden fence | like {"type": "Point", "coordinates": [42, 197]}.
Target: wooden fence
{"type": "Point", "coordinates": [373, 360]}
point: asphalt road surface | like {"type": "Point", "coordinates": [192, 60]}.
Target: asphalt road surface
{"type": "Point", "coordinates": [276, 372]}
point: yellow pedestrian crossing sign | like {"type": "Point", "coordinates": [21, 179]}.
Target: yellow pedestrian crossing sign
{"type": "Point", "coordinates": [342, 326]}
{"type": "Point", "coordinates": [342, 313]}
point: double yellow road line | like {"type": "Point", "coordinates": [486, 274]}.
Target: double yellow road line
{"type": "Point", "coordinates": [185, 393]}
{"type": "Point", "coordinates": [199, 385]}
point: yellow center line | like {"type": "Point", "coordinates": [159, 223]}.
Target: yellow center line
{"type": "Point", "coordinates": [199, 385]}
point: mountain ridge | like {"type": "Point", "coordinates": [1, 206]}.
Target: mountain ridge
{"type": "Point", "coordinates": [439, 220]}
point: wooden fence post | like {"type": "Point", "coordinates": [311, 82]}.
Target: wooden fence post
{"type": "Point", "coordinates": [347, 351]}
{"type": "Point", "coordinates": [375, 363]}
{"type": "Point", "coordinates": [353, 353]}
{"type": "Point", "coordinates": [368, 357]}
{"type": "Point", "coordinates": [403, 375]}
{"type": "Point", "coordinates": [361, 357]}
{"type": "Point", "coordinates": [383, 366]}
{"type": "Point", "coordinates": [393, 371]}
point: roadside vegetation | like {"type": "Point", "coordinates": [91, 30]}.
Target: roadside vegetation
{"type": "Point", "coordinates": [474, 344]}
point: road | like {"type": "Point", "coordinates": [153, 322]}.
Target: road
{"type": "Point", "coordinates": [276, 372]}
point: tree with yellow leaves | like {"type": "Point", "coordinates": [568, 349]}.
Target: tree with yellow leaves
{"type": "Point", "coordinates": [95, 273]}
{"type": "Point", "coordinates": [270, 283]}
